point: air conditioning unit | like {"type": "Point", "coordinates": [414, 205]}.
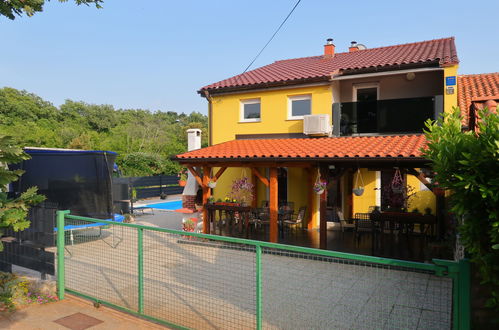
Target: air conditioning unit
{"type": "Point", "coordinates": [317, 125]}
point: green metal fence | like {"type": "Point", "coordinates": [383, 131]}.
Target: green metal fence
{"type": "Point", "coordinates": [189, 280]}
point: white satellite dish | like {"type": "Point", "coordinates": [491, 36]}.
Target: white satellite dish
{"type": "Point", "coordinates": [361, 46]}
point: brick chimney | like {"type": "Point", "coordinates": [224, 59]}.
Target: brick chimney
{"type": "Point", "coordinates": [329, 48]}
{"type": "Point", "coordinates": [191, 187]}
{"type": "Point", "coordinates": [353, 47]}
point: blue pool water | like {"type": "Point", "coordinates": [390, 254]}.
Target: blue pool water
{"type": "Point", "coordinates": [172, 205]}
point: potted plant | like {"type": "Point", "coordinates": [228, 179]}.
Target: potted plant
{"type": "Point", "coordinates": [212, 184]}
{"type": "Point", "coordinates": [242, 191]}
{"type": "Point", "coordinates": [182, 177]}
{"type": "Point", "coordinates": [211, 200]}
{"type": "Point", "coordinates": [189, 225]}
{"type": "Point", "coordinates": [358, 190]}
{"type": "Point", "coordinates": [320, 186]}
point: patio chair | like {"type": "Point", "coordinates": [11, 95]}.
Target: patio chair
{"type": "Point", "coordinates": [261, 217]}
{"type": "Point", "coordinates": [363, 225]}
{"type": "Point", "coordinates": [344, 224]}
{"type": "Point", "coordinates": [297, 219]}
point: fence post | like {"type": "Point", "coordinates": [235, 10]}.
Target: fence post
{"type": "Point", "coordinates": [258, 287]}
{"type": "Point", "coordinates": [60, 253]}
{"type": "Point", "coordinates": [464, 294]}
{"type": "Point", "coordinates": [160, 185]}
{"type": "Point", "coordinates": [140, 267]}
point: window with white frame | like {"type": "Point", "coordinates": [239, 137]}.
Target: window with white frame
{"type": "Point", "coordinates": [250, 110]}
{"type": "Point", "coordinates": [299, 106]}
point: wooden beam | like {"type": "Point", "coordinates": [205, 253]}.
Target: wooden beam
{"type": "Point", "coordinates": [249, 163]}
{"type": "Point", "coordinates": [196, 175]}
{"type": "Point", "coordinates": [206, 195]}
{"type": "Point", "coordinates": [421, 178]}
{"type": "Point", "coordinates": [323, 209]}
{"type": "Point", "coordinates": [219, 173]}
{"type": "Point", "coordinates": [259, 176]}
{"type": "Point", "coordinates": [273, 205]}
{"type": "Point", "coordinates": [254, 202]}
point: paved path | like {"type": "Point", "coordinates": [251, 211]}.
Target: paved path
{"type": "Point", "coordinates": [213, 287]}
{"type": "Point", "coordinates": [76, 314]}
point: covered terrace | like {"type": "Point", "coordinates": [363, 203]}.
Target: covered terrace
{"type": "Point", "coordinates": [328, 158]}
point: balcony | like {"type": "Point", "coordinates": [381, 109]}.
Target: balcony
{"type": "Point", "coordinates": [394, 116]}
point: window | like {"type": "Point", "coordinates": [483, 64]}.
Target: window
{"type": "Point", "coordinates": [250, 110]}
{"type": "Point", "coordinates": [299, 106]}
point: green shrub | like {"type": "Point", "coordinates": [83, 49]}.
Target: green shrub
{"type": "Point", "coordinates": [467, 164]}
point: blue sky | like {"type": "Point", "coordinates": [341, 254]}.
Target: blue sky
{"type": "Point", "coordinates": [156, 54]}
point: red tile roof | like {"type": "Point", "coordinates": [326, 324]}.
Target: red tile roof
{"type": "Point", "coordinates": [441, 51]}
{"type": "Point", "coordinates": [345, 148]}
{"type": "Point", "coordinates": [476, 87]}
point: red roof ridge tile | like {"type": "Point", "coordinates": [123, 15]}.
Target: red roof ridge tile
{"type": "Point", "coordinates": [363, 50]}
{"type": "Point", "coordinates": [318, 68]}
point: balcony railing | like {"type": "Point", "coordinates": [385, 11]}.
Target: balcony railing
{"type": "Point", "coordinates": [385, 116]}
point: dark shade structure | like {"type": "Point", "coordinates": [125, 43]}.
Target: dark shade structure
{"type": "Point", "coordinates": [76, 180]}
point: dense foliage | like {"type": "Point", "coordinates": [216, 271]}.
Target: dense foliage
{"type": "Point", "coordinates": [144, 140]}
{"type": "Point", "coordinates": [11, 8]}
{"type": "Point", "coordinates": [13, 211]}
{"type": "Point", "coordinates": [467, 164]}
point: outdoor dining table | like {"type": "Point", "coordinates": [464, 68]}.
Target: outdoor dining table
{"type": "Point", "coordinates": [397, 223]}
{"type": "Point", "coordinates": [282, 214]}
{"type": "Point", "coordinates": [231, 212]}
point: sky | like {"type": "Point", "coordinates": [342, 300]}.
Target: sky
{"type": "Point", "coordinates": [156, 54]}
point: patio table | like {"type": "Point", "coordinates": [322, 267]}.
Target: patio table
{"type": "Point", "coordinates": [243, 214]}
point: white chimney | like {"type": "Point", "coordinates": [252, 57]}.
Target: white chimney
{"type": "Point", "coordinates": [191, 186]}
{"type": "Point", "coordinates": [193, 139]}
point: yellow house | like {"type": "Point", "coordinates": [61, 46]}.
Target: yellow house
{"type": "Point", "coordinates": [353, 118]}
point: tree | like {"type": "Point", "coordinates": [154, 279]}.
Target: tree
{"type": "Point", "coordinates": [11, 8]}
{"type": "Point", "coordinates": [13, 211]}
{"type": "Point", "coordinates": [144, 140]}
{"type": "Point", "coordinates": [467, 164]}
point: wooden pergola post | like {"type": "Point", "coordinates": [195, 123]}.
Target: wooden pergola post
{"type": "Point", "coordinates": [311, 197]}
{"type": "Point", "coordinates": [273, 205]}
{"type": "Point", "coordinates": [206, 195]}
{"type": "Point", "coordinates": [324, 170]}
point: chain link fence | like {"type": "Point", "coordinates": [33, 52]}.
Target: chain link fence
{"type": "Point", "coordinates": [197, 281]}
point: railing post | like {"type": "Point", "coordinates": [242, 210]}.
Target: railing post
{"type": "Point", "coordinates": [140, 269]}
{"type": "Point", "coordinates": [60, 253]}
{"type": "Point", "coordinates": [258, 287]}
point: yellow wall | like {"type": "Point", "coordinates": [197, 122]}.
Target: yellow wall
{"type": "Point", "coordinates": [422, 199]}
{"type": "Point", "coordinates": [450, 101]}
{"type": "Point", "coordinates": [297, 187]}
{"type": "Point", "coordinates": [368, 198]}
{"type": "Point", "coordinates": [273, 112]}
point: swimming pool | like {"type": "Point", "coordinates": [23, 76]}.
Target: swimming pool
{"type": "Point", "coordinates": [171, 205]}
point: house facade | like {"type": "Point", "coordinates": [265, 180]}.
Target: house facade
{"type": "Point", "coordinates": [372, 104]}
{"type": "Point", "coordinates": [365, 92]}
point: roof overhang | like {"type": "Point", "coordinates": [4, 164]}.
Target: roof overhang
{"type": "Point", "coordinates": [352, 162]}
{"type": "Point", "coordinates": [384, 73]}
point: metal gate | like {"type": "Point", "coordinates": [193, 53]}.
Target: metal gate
{"type": "Point", "coordinates": [188, 280]}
